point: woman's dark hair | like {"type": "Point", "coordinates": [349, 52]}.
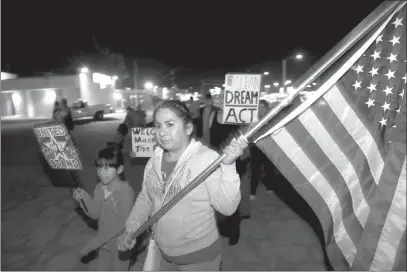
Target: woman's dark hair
{"type": "Point", "coordinates": [178, 107]}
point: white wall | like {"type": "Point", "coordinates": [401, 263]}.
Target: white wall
{"type": "Point", "coordinates": [5, 76]}
{"type": "Point", "coordinates": [35, 83]}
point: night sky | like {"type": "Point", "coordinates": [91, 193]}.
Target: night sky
{"type": "Point", "coordinates": [38, 36]}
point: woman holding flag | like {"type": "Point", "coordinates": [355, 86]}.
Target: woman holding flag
{"type": "Point", "coordinates": [186, 237]}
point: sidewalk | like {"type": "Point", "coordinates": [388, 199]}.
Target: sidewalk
{"type": "Point", "coordinates": [274, 238]}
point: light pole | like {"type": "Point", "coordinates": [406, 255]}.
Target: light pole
{"type": "Point", "coordinates": [284, 67]}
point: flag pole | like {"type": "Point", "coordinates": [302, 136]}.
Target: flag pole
{"type": "Point", "coordinates": [316, 70]}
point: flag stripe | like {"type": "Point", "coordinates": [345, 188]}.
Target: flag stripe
{"type": "Point", "coordinates": [348, 146]}
{"type": "Point", "coordinates": [331, 175]}
{"type": "Point", "coordinates": [363, 113]}
{"type": "Point", "coordinates": [393, 228]}
{"type": "Point", "coordinates": [357, 130]}
{"type": "Point", "coordinates": [334, 153]}
{"type": "Point", "coordinates": [310, 195]}
{"type": "Point", "coordinates": [400, 260]}
{"type": "Point", "coordinates": [323, 187]}
{"type": "Point", "coordinates": [381, 205]}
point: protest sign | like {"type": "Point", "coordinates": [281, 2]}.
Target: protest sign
{"type": "Point", "coordinates": [241, 98]}
{"type": "Point", "coordinates": [143, 141]}
{"type": "Point", "coordinates": [57, 147]}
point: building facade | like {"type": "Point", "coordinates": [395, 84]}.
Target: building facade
{"type": "Point", "coordinates": [34, 97]}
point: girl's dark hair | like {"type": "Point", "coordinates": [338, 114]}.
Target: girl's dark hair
{"type": "Point", "coordinates": [113, 154]}
{"type": "Point", "coordinates": [178, 107]}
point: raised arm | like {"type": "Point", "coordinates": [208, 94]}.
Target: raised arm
{"type": "Point", "coordinates": [223, 187]}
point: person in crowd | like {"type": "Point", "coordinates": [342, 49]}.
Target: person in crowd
{"type": "Point", "coordinates": [68, 121]}
{"type": "Point", "coordinates": [111, 204]}
{"type": "Point", "coordinates": [259, 160]}
{"type": "Point", "coordinates": [195, 111]}
{"type": "Point", "coordinates": [118, 139]}
{"type": "Point", "coordinates": [62, 113]}
{"type": "Point", "coordinates": [206, 112]}
{"type": "Point", "coordinates": [55, 110]}
{"type": "Point", "coordinates": [135, 117]}
{"type": "Point", "coordinates": [219, 135]}
{"type": "Point", "coordinates": [186, 235]}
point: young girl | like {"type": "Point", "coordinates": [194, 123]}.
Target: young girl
{"type": "Point", "coordinates": [186, 235]}
{"type": "Point", "coordinates": [111, 205]}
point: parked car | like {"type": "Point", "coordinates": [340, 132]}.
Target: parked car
{"type": "Point", "coordinates": [81, 109]}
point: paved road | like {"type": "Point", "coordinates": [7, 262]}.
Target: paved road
{"type": "Point", "coordinates": [42, 231]}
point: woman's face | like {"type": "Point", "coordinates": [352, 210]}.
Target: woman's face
{"type": "Point", "coordinates": [170, 131]}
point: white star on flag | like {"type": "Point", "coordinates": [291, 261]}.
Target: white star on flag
{"type": "Point", "coordinates": [390, 74]}
{"type": "Point", "coordinates": [405, 78]}
{"type": "Point", "coordinates": [398, 110]}
{"type": "Point", "coordinates": [359, 69]}
{"type": "Point", "coordinates": [395, 40]}
{"type": "Point", "coordinates": [372, 87]}
{"type": "Point", "coordinates": [374, 71]}
{"type": "Point", "coordinates": [379, 39]}
{"type": "Point", "coordinates": [383, 122]}
{"type": "Point", "coordinates": [386, 106]}
{"type": "Point", "coordinates": [397, 22]}
{"type": "Point", "coordinates": [370, 103]}
{"type": "Point", "coordinates": [402, 94]}
{"type": "Point", "coordinates": [388, 90]}
{"type": "Point", "coordinates": [392, 57]}
{"type": "Point", "coordinates": [357, 85]}
{"type": "Point", "coordinates": [376, 55]}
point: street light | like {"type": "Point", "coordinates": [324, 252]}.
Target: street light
{"type": "Point", "coordinates": [276, 84]}
{"type": "Point", "coordinates": [284, 66]}
{"type": "Point", "coordinates": [115, 77]}
{"type": "Point", "coordinates": [84, 70]}
{"type": "Point", "coordinates": [148, 85]}
{"type": "Point", "coordinates": [266, 73]}
{"type": "Point", "coordinates": [267, 86]}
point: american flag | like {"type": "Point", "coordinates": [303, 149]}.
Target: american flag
{"type": "Point", "coordinates": [344, 151]}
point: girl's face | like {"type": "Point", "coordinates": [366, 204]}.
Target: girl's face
{"type": "Point", "coordinates": [107, 172]}
{"type": "Point", "coordinates": [170, 131]}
